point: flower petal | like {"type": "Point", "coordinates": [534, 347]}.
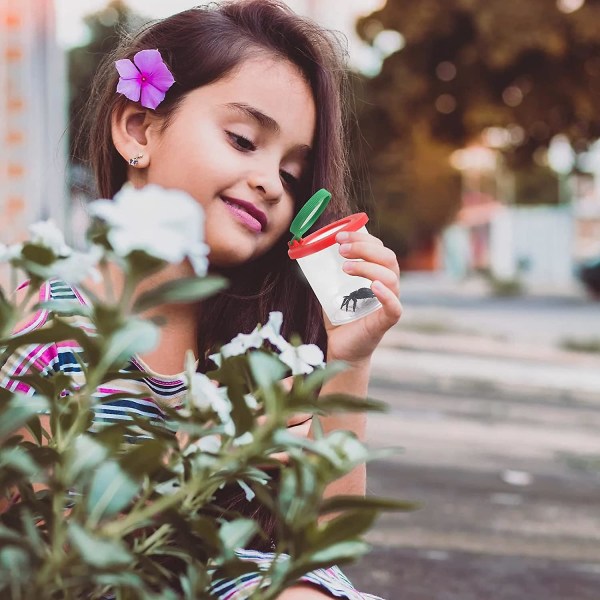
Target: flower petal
{"type": "Point", "coordinates": [151, 97]}
{"type": "Point", "coordinates": [130, 88]}
{"type": "Point", "coordinates": [147, 61]}
{"type": "Point", "coordinates": [311, 354]}
{"type": "Point", "coordinates": [126, 69]}
{"type": "Point", "coordinates": [162, 78]}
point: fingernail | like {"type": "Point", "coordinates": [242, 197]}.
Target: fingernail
{"type": "Point", "coordinates": [344, 248]}
{"type": "Point", "coordinates": [347, 266]}
{"type": "Point", "coordinates": [343, 236]}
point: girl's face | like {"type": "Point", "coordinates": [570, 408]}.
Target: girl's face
{"type": "Point", "coordinates": [239, 146]}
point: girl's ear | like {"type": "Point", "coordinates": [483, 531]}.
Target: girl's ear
{"type": "Point", "coordinates": [134, 131]}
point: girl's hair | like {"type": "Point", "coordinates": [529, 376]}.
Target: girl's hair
{"type": "Point", "coordinates": [201, 46]}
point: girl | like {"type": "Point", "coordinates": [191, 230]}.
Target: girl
{"type": "Point", "coordinates": [252, 124]}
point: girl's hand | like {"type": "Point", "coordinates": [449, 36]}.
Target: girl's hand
{"type": "Point", "coordinates": [355, 342]}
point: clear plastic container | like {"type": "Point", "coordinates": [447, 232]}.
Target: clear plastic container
{"type": "Point", "coordinates": [344, 298]}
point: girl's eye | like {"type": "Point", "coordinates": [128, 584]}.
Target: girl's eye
{"type": "Point", "coordinates": [290, 180]}
{"type": "Point", "coordinates": [241, 142]}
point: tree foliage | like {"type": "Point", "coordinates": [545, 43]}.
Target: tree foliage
{"type": "Point", "coordinates": [105, 28]}
{"type": "Point", "coordinates": [467, 66]}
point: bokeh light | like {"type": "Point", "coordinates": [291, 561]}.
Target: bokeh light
{"type": "Point", "coordinates": [569, 6]}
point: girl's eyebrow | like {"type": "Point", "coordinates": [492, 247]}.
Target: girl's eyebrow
{"type": "Point", "coordinates": [255, 114]}
{"type": "Point", "coordinates": [261, 118]}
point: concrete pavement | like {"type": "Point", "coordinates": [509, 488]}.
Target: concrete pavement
{"type": "Point", "coordinates": [499, 431]}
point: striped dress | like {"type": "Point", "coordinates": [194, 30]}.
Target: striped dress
{"type": "Point", "coordinates": [149, 396]}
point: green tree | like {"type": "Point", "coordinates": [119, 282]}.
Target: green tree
{"type": "Point", "coordinates": [466, 66]}
{"type": "Point", "coordinates": [105, 28]}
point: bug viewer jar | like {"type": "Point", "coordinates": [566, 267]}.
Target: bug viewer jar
{"type": "Point", "coordinates": [344, 298]}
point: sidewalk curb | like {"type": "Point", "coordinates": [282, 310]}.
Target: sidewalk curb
{"type": "Point", "coordinates": [482, 346]}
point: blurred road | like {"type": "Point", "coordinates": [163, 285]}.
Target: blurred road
{"type": "Point", "coordinates": [499, 429]}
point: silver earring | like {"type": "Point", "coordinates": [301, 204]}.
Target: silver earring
{"type": "Point", "coordinates": [135, 160]}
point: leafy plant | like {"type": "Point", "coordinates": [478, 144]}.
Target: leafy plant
{"type": "Point", "coordinates": [96, 517]}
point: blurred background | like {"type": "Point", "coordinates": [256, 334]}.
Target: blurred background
{"type": "Point", "coordinates": [476, 155]}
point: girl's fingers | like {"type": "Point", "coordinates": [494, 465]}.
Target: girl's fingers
{"type": "Point", "coordinates": [391, 305]}
{"type": "Point", "coordinates": [356, 236]}
{"type": "Point", "coordinates": [372, 271]}
{"type": "Point", "coordinates": [373, 253]}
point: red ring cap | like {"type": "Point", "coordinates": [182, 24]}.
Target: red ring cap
{"type": "Point", "coordinates": [325, 237]}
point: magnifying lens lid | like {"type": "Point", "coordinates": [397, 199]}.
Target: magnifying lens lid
{"type": "Point", "coordinates": [308, 214]}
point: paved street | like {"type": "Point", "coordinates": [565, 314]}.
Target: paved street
{"type": "Point", "coordinates": [500, 445]}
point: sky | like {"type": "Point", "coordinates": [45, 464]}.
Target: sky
{"type": "Point", "coordinates": [334, 14]}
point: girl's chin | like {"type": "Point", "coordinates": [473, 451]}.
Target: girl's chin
{"type": "Point", "coordinates": [228, 258]}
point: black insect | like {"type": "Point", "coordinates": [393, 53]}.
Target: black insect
{"type": "Point", "coordinates": [360, 294]}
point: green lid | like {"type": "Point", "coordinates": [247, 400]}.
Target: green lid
{"type": "Point", "coordinates": [309, 213]}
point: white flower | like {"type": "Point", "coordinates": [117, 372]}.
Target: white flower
{"type": "Point", "coordinates": [216, 358]}
{"type": "Point", "coordinates": [242, 342]}
{"type": "Point", "coordinates": [47, 234]}
{"type": "Point", "coordinates": [247, 490]}
{"type": "Point", "coordinates": [198, 256]}
{"type": "Point", "coordinates": [245, 341]}
{"type": "Point", "coordinates": [251, 401]}
{"type": "Point", "coordinates": [78, 266]}
{"type": "Point", "coordinates": [208, 443]}
{"type": "Point", "coordinates": [270, 331]}
{"type": "Point", "coordinates": [8, 253]}
{"type": "Point", "coordinates": [167, 224]}
{"type": "Point", "coordinates": [244, 439]}
{"type": "Point", "coordinates": [302, 359]}
{"type": "Point", "coordinates": [206, 395]}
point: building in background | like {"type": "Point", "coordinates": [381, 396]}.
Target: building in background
{"type": "Point", "coordinates": [32, 118]}
{"type": "Point", "coordinates": [535, 245]}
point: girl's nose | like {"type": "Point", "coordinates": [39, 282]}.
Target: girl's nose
{"type": "Point", "coordinates": [268, 185]}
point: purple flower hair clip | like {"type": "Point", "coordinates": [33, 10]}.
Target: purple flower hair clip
{"type": "Point", "coordinates": [147, 80]}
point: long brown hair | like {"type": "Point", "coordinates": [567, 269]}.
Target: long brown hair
{"type": "Point", "coordinates": [201, 46]}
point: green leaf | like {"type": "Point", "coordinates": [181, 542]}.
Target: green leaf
{"type": "Point", "coordinates": [206, 529]}
{"type": "Point", "coordinates": [69, 414]}
{"type": "Point", "coordinates": [266, 368]}
{"type": "Point", "coordinates": [236, 534]}
{"type": "Point", "coordinates": [131, 581]}
{"type": "Point", "coordinates": [342, 450]}
{"type": "Point", "coordinates": [339, 553]}
{"type": "Point", "coordinates": [142, 264]}
{"type": "Point", "coordinates": [57, 331]}
{"type": "Point", "coordinates": [332, 403]}
{"type": "Point", "coordinates": [66, 308]}
{"type": "Point", "coordinates": [32, 533]}
{"type": "Point", "coordinates": [318, 377]}
{"type": "Point", "coordinates": [18, 411]}
{"type": "Point", "coordinates": [183, 290]}
{"type": "Point", "coordinates": [85, 454]}
{"type": "Point", "coordinates": [16, 562]}
{"type": "Point", "coordinates": [37, 254]}
{"type": "Point", "coordinates": [343, 503]}
{"type": "Point", "coordinates": [111, 490]}
{"type": "Point", "coordinates": [345, 527]}
{"type": "Point", "coordinates": [233, 374]}
{"type": "Point", "coordinates": [8, 315]}
{"type": "Point", "coordinates": [18, 459]}
{"type": "Point", "coordinates": [42, 386]}
{"type": "Point", "coordinates": [144, 459]}
{"type": "Point", "coordinates": [99, 552]}
{"type": "Point", "coordinates": [10, 536]}
{"type": "Point", "coordinates": [107, 319]}
{"type": "Point", "coordinates": [135, 337]}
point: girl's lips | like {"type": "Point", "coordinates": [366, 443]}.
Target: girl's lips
{"type": "Point", "coordinates": [254, 218]}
